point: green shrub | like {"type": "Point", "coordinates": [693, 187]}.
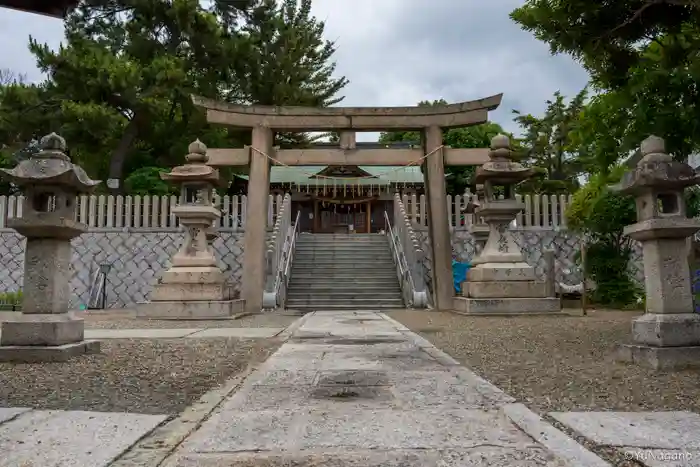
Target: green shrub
{"type": "Point", "coordinates": [11, 300]}
{"type": "Point", "coordinates": [600, 215]}
{"type": "Point", "coordinates": [147, 181]}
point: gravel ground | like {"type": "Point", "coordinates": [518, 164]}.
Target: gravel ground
{"type": "Point", "coordinates": [125, 320]}
{"type": "Point", "coordinates": [142, 376]}
{"type": "Point", "coordinates": [558, 363]}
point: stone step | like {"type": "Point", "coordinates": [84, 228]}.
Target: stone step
{"type": "Point", "coordinates": [343, 295]}
{"type": "Point", "coordinates": [381, 242]}
{"type": "Point", "coordinates": [347, 305]}
{"type": "Point", "coordinates": [341, 246]}
{"type": "Point", "coordinates": [358, 255]}
{"type": "Point", "coordinates": [346, 288]}
{"type": "Point", "coordinates": [336, 266]}
{"type": "Point", "coordinates": [347, 281]}
{"type": "Point", "coordinates": [365, 252]}
{"type": "Point", "coordinates": [344, 262]}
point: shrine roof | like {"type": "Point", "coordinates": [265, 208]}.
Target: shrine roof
{"type": "Point", "coordinates": [382, 175]}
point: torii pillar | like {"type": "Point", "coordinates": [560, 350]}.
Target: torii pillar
{"type": "Point", "coordinates": [255, 236]}
{"type": "Point", "coordinates": [438, 225]}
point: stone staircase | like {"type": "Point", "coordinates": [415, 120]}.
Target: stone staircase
{"type": "Point", "coordinates": [343, 272]}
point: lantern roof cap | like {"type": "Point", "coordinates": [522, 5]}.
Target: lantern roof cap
{"type": "Point", "coordinates": [50, 166]}
{"type": "Point", "coordinates": [502, 167]}
{"type": "Point", "coordinates": [195, 168]}
{"type": "Point", "coordinates": [656, 170]}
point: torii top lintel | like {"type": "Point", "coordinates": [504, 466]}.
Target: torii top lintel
{"type": "Point", "coordinates": [288, 118]}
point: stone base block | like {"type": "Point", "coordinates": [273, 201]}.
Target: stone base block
{"type": "Point", "coordinates": [193, 275]}
{"type": "Point", "coordinates": [667, 330]}
{"type": "Point", "coordinates": [506, 306]}
{"type": "Point", "coordinates": [54, 353]}
{"type": "Point", "coordinates": [187, 292]}
{"type": "Point", "coordinates": [660, 358]}
{"type": "Point", "coordinates": [42, 330]}
{"type": "Point", "coordinates": [501, 289]}
{"type": "Point", "coordinates": [192, 310]}
{"type": "Point", "coordinates": [496, 272]}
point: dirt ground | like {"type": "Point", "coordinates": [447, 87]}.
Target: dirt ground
{"type": "Point", "coordinates": [557, 363]}
{"type": "Point", "coordinates": [563, 363]}
{"type": "Point", "coordinates": [161, 376]}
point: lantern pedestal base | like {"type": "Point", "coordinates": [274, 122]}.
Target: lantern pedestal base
{"type": "Point", "coordinates": [190, 310]}
{"type": "Point", "coordinates": [660, 358]}
{"type": "Point", "coordinates": [506, 306]}
{"type": "Point", "coordinates": [50, 353]}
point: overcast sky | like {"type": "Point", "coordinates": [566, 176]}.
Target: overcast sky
{"type": "Point", "coordinates": [398, 52]}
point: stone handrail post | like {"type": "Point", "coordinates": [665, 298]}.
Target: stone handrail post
{"type": "Point", "coordinates": [275, 254]}
{"type": "Point", "coordinates": [413, 255]}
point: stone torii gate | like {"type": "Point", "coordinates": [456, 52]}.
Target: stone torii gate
{"type": "Point", "coordinates": [265, 120]}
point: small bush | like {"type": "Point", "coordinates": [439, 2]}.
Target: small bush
{"type": "Point", "coordinates": [11, 300]}
{"type": "Point", "coordinates": [600, 215]}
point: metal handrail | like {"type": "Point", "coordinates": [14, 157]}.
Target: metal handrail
{"type": "Point", "coordinates": [397, 249]}
{"type": "Point", "coordinates": [292, 241]}
{"type": "Point", "coordinates": [286, 257]}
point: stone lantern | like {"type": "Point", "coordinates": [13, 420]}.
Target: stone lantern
{"type": "Point", "coordinates": [46, 331]}
{"type": "Point", "coordinates": [194, 286]}
{"type": "Point", "coordinates": [668, 334]}
{"type": "Point", "coordinates": [500, 281]}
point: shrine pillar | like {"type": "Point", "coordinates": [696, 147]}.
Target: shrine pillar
{"type": "Point", "coordinates": [255, 237]}
{"type": "Point", "coordinates": [438, 225]}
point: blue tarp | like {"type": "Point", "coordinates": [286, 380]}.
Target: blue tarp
{"type": "Point", "coordinates": [459, 274]}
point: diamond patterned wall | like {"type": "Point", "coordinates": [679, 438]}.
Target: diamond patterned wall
{"type": "Point", "coordinates": [566, 245]}
{"type": "Point", "coordinates": [137, 260]}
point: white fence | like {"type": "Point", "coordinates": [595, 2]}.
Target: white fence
{"type": "Point", "coordinates": [154, 212]}
{"type": "Point", "coordinates": [541, 211]}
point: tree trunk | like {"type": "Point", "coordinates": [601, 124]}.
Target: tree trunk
{"type": "Point", "coordinates": [116, 162]}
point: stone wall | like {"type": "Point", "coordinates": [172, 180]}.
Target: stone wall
{"type": "Point", "coordinates": [137, 259]}
{"type": "Point", "coordinates": [533, 241]}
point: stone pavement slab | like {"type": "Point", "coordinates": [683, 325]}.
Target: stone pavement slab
{"type": "Point", "coordinates": [242, 333]}
{"type": "Point", "coordinates": [55, 438]}
{"type": "Point", "coordinates": [652, 438]}
{"type": "Point", "coordinates": [155, 333]}
{"type": "Point", "coordinates": [7, 414]}
{"type": "Point", "coordinates": [357, 389]}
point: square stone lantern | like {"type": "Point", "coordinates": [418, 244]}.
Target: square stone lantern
{"type": "Point", "coordinates": [668, 334]}
{"type": "Point", "coordinates": [46, 330]}
{"type": "Point", "coordinates": [500, 281]}
{"type": "Point", "coordinates": [194, 286]}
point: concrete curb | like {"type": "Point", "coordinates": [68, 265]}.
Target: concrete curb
{"type": "Point", "coordinates": [155, 447]}
{"type": "Point", "coordinates": [294, 327]}
{"type": "Point", "coordinates": [554, 440]}
{"type": "Point", "coordinates": [424, 344]}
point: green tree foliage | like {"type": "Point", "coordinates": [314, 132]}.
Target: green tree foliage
{"type": "Point", "coordinates": [548, 144]}
{"type": "Point", "coordinates": [285, 60]}
{"type": "Point", "coordinates": [643, 56]}
{"type": "Point", "coordinates": [147, 181]}
{"type": "Point", "coordinates": [600, 215]}
{"type": "Point", "coordinates": [119, 87]}
{"type": "Point", "coordinates": [135, 63]}
{"type": "Point", "coordinates": [478, 136]}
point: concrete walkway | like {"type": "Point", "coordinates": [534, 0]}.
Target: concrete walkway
{"type": "Point", "coordinates": [359, 389]}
